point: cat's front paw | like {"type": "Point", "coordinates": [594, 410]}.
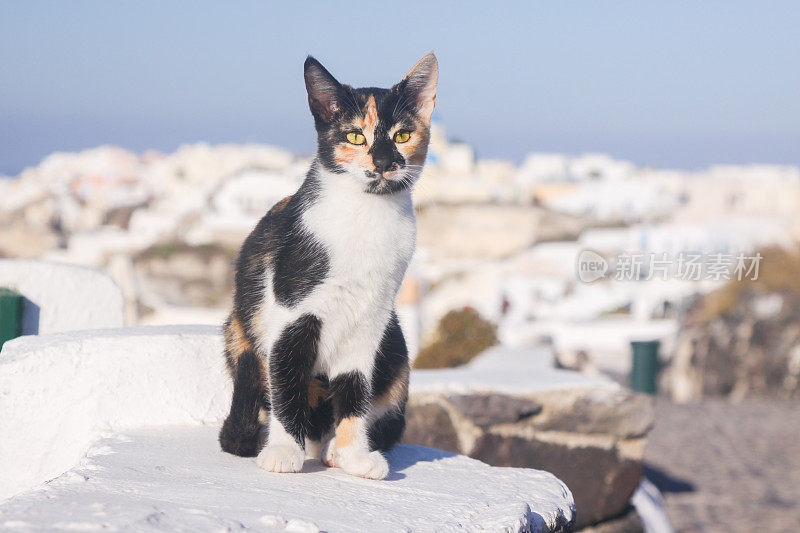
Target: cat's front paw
{"type": "Point", "coordinates": [328, 455]}
{"type": "Point", "coordinates": [371, 465]}
{"type": "Point", "coordinates": [281, 459]}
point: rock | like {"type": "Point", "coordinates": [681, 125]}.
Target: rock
{"type": "Point", "coordinates": [590, 432]}
{"type": "Point", "coordinates": [185, 275]}
{"type": "Point", "coordinates": [428, 424]}
{"type": "Point", "coordinates": [490, 230]}
{"type": "Point", "coordinates": [621, 413]}
{"type": "Point", "coordinates": [601, 481]}
{"type": "Point", "coordinates": [489, 409]}
{"type": "Point", "coordinates": [177, 478]}
{"type": "Point", "coordinates": [749, 348]}
{"type": "Point", "coordinates": [628, 522]}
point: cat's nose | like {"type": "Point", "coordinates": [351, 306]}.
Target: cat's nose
{"type": "Point", "coordinates": [382, 164]}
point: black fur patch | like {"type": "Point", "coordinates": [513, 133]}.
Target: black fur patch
{"type": "Point", "coordinates": [298, 260]}
{"type": "Point", "coordinates": [388, 429]}
{"type": "Point", "coordinates": [291, 366]}
{"type": "Point", "coordinates": [320, 420]}
{"type": "Point", "coordinates": [241, 432]}
{"type": "Point", "coordinates": [392, 356]}
{"type": "Point", "coordinates": [301, 262]}
{"type": "Point", "coordinates": [300, 265]}
{"type": "Point", "coordinates": [350, 394]}
{"type": "Point", "coordinates": [385, 186]}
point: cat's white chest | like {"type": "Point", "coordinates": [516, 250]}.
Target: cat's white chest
{"type": "Point", "coordinates": [369, 239]}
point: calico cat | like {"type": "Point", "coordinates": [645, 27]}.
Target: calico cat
{"type": "Point", "coordinates": [313, 344]}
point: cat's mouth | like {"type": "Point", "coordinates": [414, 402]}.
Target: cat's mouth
{"type": "Point", "coordinates": [384, 184]}
{"type": "Point", "coordinates": [387, 182]}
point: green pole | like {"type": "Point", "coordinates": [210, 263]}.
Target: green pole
{"type": "Point", "coordinates": [10, 315]}
{"type": "Point", "coordinates": [644, 371]}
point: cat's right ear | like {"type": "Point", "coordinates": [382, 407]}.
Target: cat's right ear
{"type": "Point", "coordinates": [323, 90]}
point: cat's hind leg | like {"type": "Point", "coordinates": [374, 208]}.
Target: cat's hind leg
{"type": "Point", "coordinates": [387, 430]}
{"type": "Point", "coordinates": [242, 432]}
{"type": "Point", "coordinates": [390, 389]}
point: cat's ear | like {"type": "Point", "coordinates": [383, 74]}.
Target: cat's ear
{"type": "Point", "coordinates": [420, 85]}
{"type": "Point", "coordinates": [323, 90]}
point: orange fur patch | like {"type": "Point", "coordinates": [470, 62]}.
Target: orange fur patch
{"type": "Point", "coordinates": [235, 340]}
{"type": "Point", "coordinates": [258, 330]}
{"type": "Point", "coordinates": [367, 122]}
{"type": "Point", "coordinates": [346, 432]}
{"type": "Point", "coordinates": [280, 206]}
{"type": "Point", "coordinates": [353, 155]}
{"type": "Point", "coordinates": [370, 114]}
{"type": "Point", "coordinates": [397, 392]}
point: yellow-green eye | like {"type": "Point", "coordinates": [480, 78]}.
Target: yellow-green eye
{"type": "Point", "coordinates": [402, 136]}
{"type": "Point", "coordinates": [356, 138]}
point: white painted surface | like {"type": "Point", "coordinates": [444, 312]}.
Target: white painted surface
{"type": "Point", "coordinates": [651, 507]}
{"type": "Point", "coordinates": [167, 479]}
{"type": "Point", "coordinates": [65, 297]}
{"type": "Point", "coordinates": [59, 392]}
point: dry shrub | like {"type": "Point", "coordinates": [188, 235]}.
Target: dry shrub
{"type": "Point", "coordinates": [461, 335]}
{"type": "Point", "coordinates": [779, 271]}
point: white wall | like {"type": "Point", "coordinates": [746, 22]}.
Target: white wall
{"type": "Point", "coordinates": [60, 392]}
{"type": "Point", "coordinates": [61, 297]}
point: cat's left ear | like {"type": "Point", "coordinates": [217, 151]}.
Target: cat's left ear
{"type": "Point", "coordinates": [323, 90]}
{"type": "Point", "coordinates": [420, 85]}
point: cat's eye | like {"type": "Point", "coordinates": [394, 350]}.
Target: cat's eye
{"type": "Point", "coordinates": [402, 136]}
{"type": "Point", "coordinates": [355, 137]}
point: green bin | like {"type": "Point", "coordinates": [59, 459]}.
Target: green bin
{"type": "Point", "coordinates": [644, 371]}
{"type": "Point", "coordinates": [10, 315]}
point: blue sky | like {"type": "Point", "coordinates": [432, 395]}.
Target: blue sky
{"type": "Point", "coordinates": [668, 84]}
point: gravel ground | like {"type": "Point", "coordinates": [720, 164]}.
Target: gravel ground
{"type": "Point", "coordinates": [726, 466]}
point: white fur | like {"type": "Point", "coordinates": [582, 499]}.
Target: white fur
{"type": "Point", "coordinates": [361, 463]}
{"type": "Point", "coordinates": [356, 459]}
{"type": "Point", "coordinates": [328, 452]}
{"type": "Point", "coordinates": [370, 240]}
{"type": "Point", "coordinates": [281, 454]}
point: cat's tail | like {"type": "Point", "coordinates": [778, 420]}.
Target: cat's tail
{"type": "Point", "coordinates": [242, 434]}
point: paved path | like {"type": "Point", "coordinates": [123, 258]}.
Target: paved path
{"type": "Point", "coordinates": [728, 466]}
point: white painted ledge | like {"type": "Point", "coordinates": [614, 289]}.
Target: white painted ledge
{"type": "Point", "coordinates": [176, 478]}
{"type": "Point", "coordinates": [145, 393]}
{"type": "Point", "coordinates": [59, 392]}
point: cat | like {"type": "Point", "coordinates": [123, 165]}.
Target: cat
{"type": "Point", "coordinates": [313, 344]}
